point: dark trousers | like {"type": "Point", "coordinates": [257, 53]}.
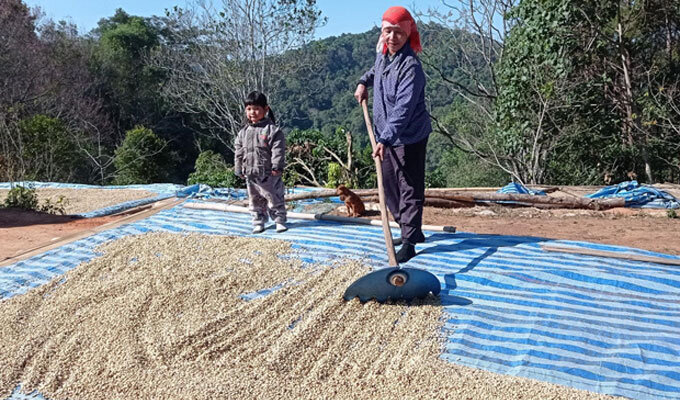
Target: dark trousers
{"type": "Point", "coordinates": [403, 169]}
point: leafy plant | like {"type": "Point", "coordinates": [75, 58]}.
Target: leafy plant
{"type": "Point", "coordinates": [141, 158]}
{"type": "Point", "coordinates": [211, 169]}
{"type": "Point", "coordinates": [22, 197]}
{"type": "Point", "coordinates": [57, 207]}
{"type": "Point", "coordinates": [671, 213]}
{"type": "Point", "coordinates": [25, 198]}
{"type": "Point", "coordinates": [334, 175]}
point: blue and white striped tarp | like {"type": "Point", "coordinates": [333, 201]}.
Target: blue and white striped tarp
{"type": "Point", "coordinates": [638, 196]}
{"type": "Point", "coordinates": [163, 191]}
{"type": "Point", "coordinates": [151, 187]}
{"type": "Point", "coordinates": [606, 325]}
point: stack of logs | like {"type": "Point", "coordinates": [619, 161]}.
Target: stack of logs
{"type": "Point", "coordinates": [456, 198]}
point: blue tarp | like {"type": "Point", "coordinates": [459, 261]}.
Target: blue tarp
{"type": "Point", "coordinates": [518, 188]}
{"type": "Point", "coordinates": [602, 324]}
{"type": "Point", "coordinates": [636, 195]}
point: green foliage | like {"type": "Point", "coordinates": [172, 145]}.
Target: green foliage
{"type": "Point", "coordinates": [25, 198]}
{"type": "Point", "coordinates": [48, 149]}
{"type": "Point", "coordinates": [130, 84]}
{"type": "Point", "coordinates": [57, 207]}
{"type": "Point", "coordinates": [671, 213]}
{"type": "Point", "coordinates": [141, 158]}
{"type": "Point", "coordinates": [22, 197]}
{"type": "Point", "coordinates": [460, 169]}
{"type": "Point", "coordinates": [210, 169]}
{"type": "Point", "coordinates": [334, 175]}
{"type": "Point", "coordinates": [533, 73]}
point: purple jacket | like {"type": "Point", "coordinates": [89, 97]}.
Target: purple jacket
{"type": "Point", "coordinates": [399, 112]}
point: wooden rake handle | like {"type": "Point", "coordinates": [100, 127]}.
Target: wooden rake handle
{"type": "Point", "coordinates": [391, 255]}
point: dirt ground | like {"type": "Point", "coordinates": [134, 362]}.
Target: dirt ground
{"type": "Point", "coordinates": [649, 229]}
{"type": "Point", "coordinates": [645, 229]}
{"type": "Point", "coordinates": [22, 230]}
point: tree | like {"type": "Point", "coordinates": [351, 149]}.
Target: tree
{"type": "Point", "coordinates": [21, 81]}
{"type": "Point", "coordinates": [538, 98]}
{"type": "Point", "coordinates": [124, 79]}
{"type": "Point", "coordinates": [48, 150]}
{"type": "Point", "coordinates": [217, 54]}
{"type": "Point", "coordinates": [471, 36]}
{"type": "Point", "coordinates": [316, 159]}
{"type": "Point", "coordinates": [141, 158]}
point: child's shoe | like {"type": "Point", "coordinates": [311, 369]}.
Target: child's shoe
{"type": "Point", "coordinates": [258, 228]}
{"type": "Point", "coordinates": [281, 227]}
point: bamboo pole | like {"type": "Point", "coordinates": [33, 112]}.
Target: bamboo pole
{"type": "Point", "coordinates": [308, 216]}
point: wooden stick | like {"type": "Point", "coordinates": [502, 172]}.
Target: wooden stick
{"type": "Point", "coordinates": [609, 254]}
{"type": "Point", "coordinates": [307, 216]}
{"type": "Point", "coordinates": [391, 254]}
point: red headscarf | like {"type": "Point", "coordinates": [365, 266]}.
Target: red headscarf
{"type": "Point", "coordinates": [401, 17]}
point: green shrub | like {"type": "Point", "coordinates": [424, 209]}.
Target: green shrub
{"type": "Point", "coordinates": [211, 169]}
{"type": "Point", "coordinates": [22, 197]}
{"type": "Point", "coordinates": [141, 158]}
{"type": "Point", "coordinates": [58, 207]}
{"type": "Point", "coordinates": [334, 177]}
{"type": "Point", "coordinates": [25, 198]}
{"type": "Point", "coordinates": [671, 213]}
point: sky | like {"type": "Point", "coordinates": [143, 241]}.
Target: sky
{"type": "Point", "coordinates": [344, 16]}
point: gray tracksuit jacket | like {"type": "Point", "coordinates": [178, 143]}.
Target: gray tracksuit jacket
{"type": "Point", "coordinates": [259, 148]}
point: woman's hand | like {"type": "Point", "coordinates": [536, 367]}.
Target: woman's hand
{"type": "Point", "coordinates": [276, 172]}
{"type": "Point", "coordinates": [378, 151]}
{"type": "Point", "coordinates": [361, 93]}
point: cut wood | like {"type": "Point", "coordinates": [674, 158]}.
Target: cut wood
{"type": "Point", "coordinates": [609, 254]}
{"type": "Point", "coordinates": [581, 202]}
{"type": "Point", "coordinates": [307, 216]}
{"type": "Point", "coordinates": [468, 197]}
{"type": "Point", "coordinates": [430, 202]}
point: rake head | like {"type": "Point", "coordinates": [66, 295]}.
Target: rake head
{"type": "Point", "coordinates": [393, 284]}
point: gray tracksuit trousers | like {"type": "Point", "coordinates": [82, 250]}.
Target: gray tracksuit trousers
{"type": "Point", "coordinates": [265, 199]}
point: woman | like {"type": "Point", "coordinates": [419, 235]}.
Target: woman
{"type": "Point", "coordinates": [402, 124]}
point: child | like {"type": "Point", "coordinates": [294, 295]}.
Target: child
{"type": "Point", "coordinates": [259, 156]}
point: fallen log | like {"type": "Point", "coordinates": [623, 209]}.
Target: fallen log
{"type": "Point", "coordinates": [485, 198]}
{"type": "Point", "coordinates": [307, 216]}
{"type": "Point", "coordinates": [430, 202]}
{"type": "Point", "coordinates": [317, 194]}
{"type": "Point", "coordinates": [563, 202]}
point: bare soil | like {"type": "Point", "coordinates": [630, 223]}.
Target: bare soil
{"type": "Point", "coordinates": [22, 230]}
{"type": "Point", "coordinates": [649, 229]}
